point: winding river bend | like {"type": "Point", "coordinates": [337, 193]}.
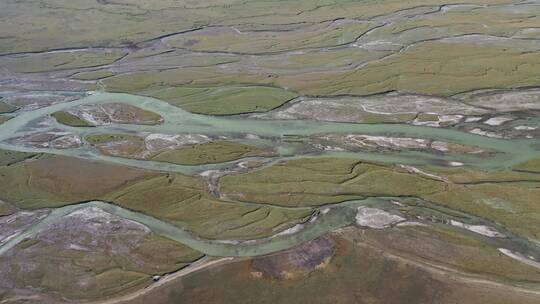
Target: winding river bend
{"type": "Point", "coordinates": [177, 120]}
{"type": "Point", "coordinates": [336, 216]}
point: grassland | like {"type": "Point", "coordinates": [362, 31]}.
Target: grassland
{"type": "Point", "coordinates": [8, 158]}
{"type": "Point", "coordinates": [312, 182]}
{"type": "Point", "coordinates": [33, 63]}
{"type": "Point", "coordinates": [217, 100]}
{"type": "Point", "coordinates": [441, 68]}
{"type": "Point", "coordinates": [494, 21]}
{"type": "Point", "coordinates": [324, 34]}
{"type": "Point", "coordinates": [134, 146]}
{"type": "Point", "coordinates": [532, 165]}
{"type": "Point", "coordinates": [314, 60]}
{"type": "Point", "coordinates": [119, 145]}
{"type": "Point", "coordinates": [96, 139]}
{"type": "Point", "coordinates": [184, 201]}
{"type": "Point", "coordinates": [358, 273]}
{"type": "Point", "coordinates": [474, 176]}
{"type": "Point", "coordinates": [429, 52]}
{"type": "Point", "coordinates": [432, 68]}
{"type": "Point", "coordinates": [110, 265]}
{"type": "Point", "coordinates": [173, 85]}
{"type": "Point", "coordinates": [69, 119]}
{"type": "Point", "coordinates": [135, 22]}
{"type": "Point", "coordinates": [513, 205]}
{"type": "Point", "coordinates": [6, 209]}
{"type": "Point", "coordinates": [6, 108]}
{"type": "Point", "coordinates": [54, 181]}
{"type": "Point", "coordinates": [452, 249]}
{"type": "Point", "coordinates": [112, 112]}
{"type": "Point", "coordinates": [209, 153]}
{"type": "Point", "coordinates": [93, 75]}
{"type": "Point", "coordinates": [225, 100]}
{"type": "Point", "coordinates": [437, 49]}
